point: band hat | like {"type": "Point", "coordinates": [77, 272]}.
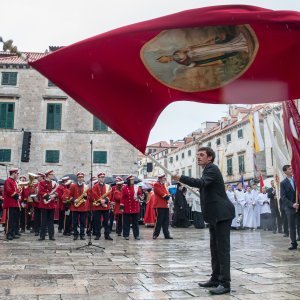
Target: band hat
{"type": "Point", "coordinates": [41, 174]}
{"type": "Point", "coordinates": [65, 178]}
{"type": "Point", "coordinates": [119, 180]}
{"type": "Point", "coordinates": [129, 177]}
{"type": "Point", "coordinates": [22, 176]}
{"type": "Point", "coordinates": [13, 170]}
{"type": "Point", "coordinates": [101, 174]}
{"type": "Point", "coordinates": [68, 182]}
{"type": "Point", "coordinates": [80, 174]}
{"type": "Point", "coordinates": [161, 175]}
{"type": "Point", "coordinates": [49, 172]}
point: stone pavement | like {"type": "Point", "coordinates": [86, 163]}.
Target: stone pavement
{"type": "Point", "coordinates": [262, 267]}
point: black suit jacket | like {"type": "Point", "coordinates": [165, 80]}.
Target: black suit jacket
{"type": "Point", "coordinates": [288, 195]}
{"type": "Point", "coordinates": [273, 200]}
{"type": "Point", "coordinates": [215, 204]}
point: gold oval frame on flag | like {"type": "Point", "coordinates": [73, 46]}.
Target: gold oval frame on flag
{"type": "Point", "coordinates": [200, 59]}
{"type": "Point", "coordinates": [293, 129]}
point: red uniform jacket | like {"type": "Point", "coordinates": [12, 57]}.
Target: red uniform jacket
{"type": "Point", "coordinates": [45, 188]}
{"type": "Point", "coordinates": [65, 198]}
{"type": "Point", "coordinates": [98, 191]}
{"type": "Point", "coordinates": [25, 193]}
{"type": "Point", "coordinates": [160, 191]}
{"type": "Point", "coordinates": [60, 192]}
{"type": "Point", "coordinates": [129, 201]}
{"type": "Point", "coordinates": [10, 189]}
{"type": "Point", "coordinates": [75, 192]}
{"type": "Point", "coordinates": [116, 195]}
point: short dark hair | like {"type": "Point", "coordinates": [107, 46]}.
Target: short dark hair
{"type": "Point", "coordinates": [285, 167]}
{"type": "Point", "coordinates": [209, 152]}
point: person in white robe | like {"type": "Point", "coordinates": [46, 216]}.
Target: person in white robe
{"type": "Point", "coordinates": [231, 196]}
{"type": "Point", "coordinates": [265, 209]}
{"type": "Point", "coordinates": [240, 198]}
{"type": "Point", "coordinates": [257, 208]}
{"type": "Point", "coordinates": [249, 207]}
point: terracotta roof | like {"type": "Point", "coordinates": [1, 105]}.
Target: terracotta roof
{"type": "Point", "coordinates": [161, 144]}
{"type": "Point", "coordinates": [11, 59]}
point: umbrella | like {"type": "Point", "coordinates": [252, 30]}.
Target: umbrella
{"type": "Point", "coordinates": [219, 54]}
{"type": "Point", "coordinates": [136, 179]}
{"type": "Point", "coordinates": [73, 177]}
{"type": "Point", "coordinates": [144, 185]}
{"type": "Point", "coordinates": [2, 181]}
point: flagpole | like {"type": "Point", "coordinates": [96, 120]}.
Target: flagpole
{"type": "Point", "coordinates": [170, 173]}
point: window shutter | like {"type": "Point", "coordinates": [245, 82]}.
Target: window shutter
{"type": "Point", "coordinates": [98, 125]}
{"type": "Point", "coordinates": [57, 117]}
{"type": "Point", "coordinates": [3, 115]}
{"type": "Point", "coordinates": [10, 115]}
{"type": "Point", "coordinates": [54, 116]}
{"type": "Point", "coordinates": [52, 156]}
{"type": "Point", "coordinates": [100, 157]}
{"type": "Point", "coordinates": [5, 155]}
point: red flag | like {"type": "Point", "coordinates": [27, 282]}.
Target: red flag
{"type": "Point", "coordinates": [261, 182]}
{"type": "Point", "coordinates": [291, 120]}
{"type": "Point", "coordinates": [221, 54]}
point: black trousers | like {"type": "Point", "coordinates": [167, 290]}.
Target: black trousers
{"type": "Point", "coordinates": [162, 221]}
{"type": "Point", "coordinates": [276, 220]}
{"type": "Point", "coordinates": [220, 251]}
{"type": "Point", "coordinates": [18, 215]}
{"type": "Point", "coordinates": [97, 217]}
{"type": "Point", "coordinates": [67, 226]}
{"type": "Point", "coordinates": [298, 225]}
{"type": "Point", "coordinates": [47, 220]}
{"type": "Point", "coordinates": [37, 220]}
{"type": "Point", "coordinates": [111, 220]}
{"type": "Point", "coordinates": [285, 222]}
{"type": "Point", "coordinates": [11, 221]}
{"type": "Point", "coordinates": [198, 220]}
{"type": "Point", "coordinates": [119, 219]}
{"type": "Point", "coordinates": [23, 218]}
{"type": "Point", "coordinates": [131, 219]}
{"type": "Point", "coordinates": [265, 221]}
{"type": "Point", "coordinates": [292, 219]}
{"type": "Point", "coordinates": [61, 219]}
{"type": "Point", "coordinates": [81, 217]}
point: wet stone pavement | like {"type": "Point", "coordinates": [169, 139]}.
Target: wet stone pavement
{"type": "Point", "coordinates": [262, 267]}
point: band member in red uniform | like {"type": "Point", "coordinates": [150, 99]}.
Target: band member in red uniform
{"type": "Point", "coordinates": [24, 195]}
{"type": "Point", "coordinates": [66, 202]}
{"type": "Point", "coordinates": [59, 192]}
{"type": "Point", "coordinates": [101, 206]}
{"type": "Point", "coordinates": [78, 193]}
{"type": "Point", "coordinates": [150, 217]}
{"type": "Point", "coordinates": [116, 195]}
{"type": "Point", "coordinates": [11, 195]}
{"type": "Point", "coordinates": [130, 207]}
{"type": "Point", "coordinates": [47, 196]}
{"type": "Point", "coordinates": [162, 197]}
{"type": "Point", "coordinates": [37, 205]}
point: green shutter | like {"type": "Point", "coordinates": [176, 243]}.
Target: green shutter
{"type": "Point", "coordinates": [100, 157]}
{"type": "Point", "coordinates": [52, 156]}
{"type": "Point", "coordinates": [98, 125]}
{"type": "Point", "coordinates": [5, 155]}
{"type": "Point", "coordinates": [7, 115]}
{"type": "Point", "coordinates": [9, 78]}
{"type": "Point", "coordinates": [54, 116]}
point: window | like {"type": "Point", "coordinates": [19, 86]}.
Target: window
{"type": "Point", "coordinates": [218, 142]}
{"type": "Point", "coordinates": [190, 153]}
{"type": "Point", "coordinates": [100, 157]}
{"type": "Point", "coordinates": [229, 166]}
{"type": "Point", "coordinates": [240, 133]}
{"type": "Point", "coordinates": [190, 172]}
{"type": "Point", "coordinates": [182, 155]}
{"type": "Point", "coordinates": [54, 116]}
{"type": "Point", "coordinates": [171, 160]}
{"type": "Point", "coordinates": [176, 157]}
{"type": "Point", "coordinates": [52, 156]}
{"type": "Point", "coordinates": [99, 125]}
{"type": "Point", "coordinates": [7, 115]}
{"type": "Point", "coordinates": [228, 138]}
{"type": "Point", "coordinates": [5, 155]}
{"type": "Point", "coordinates": [241, 164]}
{"type": "Point", "coordinates": [183, 172]}
{"type": "Point", "coordinates": [9, 78]}
{"type": "Point", "coordinates": [50, 83]}
{"type": "Point", "coordinates": [209, 144]}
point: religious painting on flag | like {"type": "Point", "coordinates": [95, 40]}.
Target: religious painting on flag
{"type": "Point", "coordinates": [201, 58]}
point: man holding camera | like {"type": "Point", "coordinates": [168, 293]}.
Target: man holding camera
{"type": "Point", "coordinates": [161, 205]}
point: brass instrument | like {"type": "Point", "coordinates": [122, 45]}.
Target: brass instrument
{"type": "Point", "coordinates": [81, 199]}
{"type": "Point", "coordinates": [98, 201]}
{"type": "Point", "coordinates": [52, 193]}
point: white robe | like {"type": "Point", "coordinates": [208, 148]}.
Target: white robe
{"type": "Point", "coordinates": [264, 203]}
{"type": "Point", "coordinates": [249, 213]}
{"type": "Point", "coordinates": [240, 198]}
{"type": "Point", "coordinates": [257, 207]}
{"type": "Point", "coordinates": [231, 197]}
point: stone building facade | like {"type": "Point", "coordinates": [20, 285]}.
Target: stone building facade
{"type": "Point", "coordinates": [61, 130]}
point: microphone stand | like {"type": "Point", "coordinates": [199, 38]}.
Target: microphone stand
{"type": "Point", "coordinates": [90, 220]}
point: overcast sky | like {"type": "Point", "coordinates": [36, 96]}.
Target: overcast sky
{"type": "Point", "coordinates": [36, 24]}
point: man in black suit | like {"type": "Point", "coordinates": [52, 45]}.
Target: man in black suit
{"type": "Point", "coordinates": [275, 214]}
{"type": "Point", "coordinates": [218, 211]}
{"type": "Point", "coordinates": [288, 196]}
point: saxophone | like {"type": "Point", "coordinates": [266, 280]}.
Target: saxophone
{"type": "Point", "coordinates": [98, 201]}
{"type": "Point", "coordinates": [81, 199]}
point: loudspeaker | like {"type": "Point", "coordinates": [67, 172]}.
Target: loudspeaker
{"type": "Point", "coordinates": [26, 146]}
{"type": "Point", "coordinates": [149, 167]}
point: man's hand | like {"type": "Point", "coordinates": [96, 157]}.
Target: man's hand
{"type": "Point", "coordinates": [175, 177]}
{"type": "Point", "coordinates": [296, 205]}
{"type": "Point", "coordinates": [167, 197]}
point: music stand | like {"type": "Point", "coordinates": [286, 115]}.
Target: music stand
{"type": "Point", "coordinates": [90, 244]}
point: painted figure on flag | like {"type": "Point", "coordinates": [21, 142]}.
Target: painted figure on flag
{"type": "Point", "coordinates": [200, 59]}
